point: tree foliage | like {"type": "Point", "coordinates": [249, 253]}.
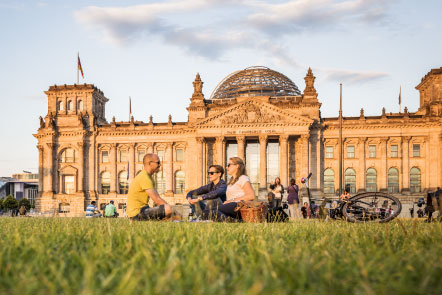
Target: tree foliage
{"type": "Point", "coordinates": [10, 203]}
{"type": "Point", "coordinates": [24, 202]}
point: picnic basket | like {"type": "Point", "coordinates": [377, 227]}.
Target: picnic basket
{"type": "Point", "coordinates": [252, 212]}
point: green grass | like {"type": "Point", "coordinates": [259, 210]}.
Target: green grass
{"type": "Point", "coordinates": [104, 256]}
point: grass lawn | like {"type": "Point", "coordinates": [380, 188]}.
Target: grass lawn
{"type": "Point", "coordinates": [104, 256]}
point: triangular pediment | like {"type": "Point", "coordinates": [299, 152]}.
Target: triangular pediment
{"type": "Point", "coordinates": [68, 169]}
{"type": "Point", "coordinates": [254, 112]}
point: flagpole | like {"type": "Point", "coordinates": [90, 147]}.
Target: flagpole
{"type": "Point", "coordinates": [400, 98]}
{"type": "Point", "coordinates": [340, 140]}
{"type": "Point", "coordinates": [130, 108]}
{"type": "Point", "coordinates": [78, 70]}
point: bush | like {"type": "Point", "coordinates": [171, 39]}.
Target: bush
{"type": "Point", "coordinates": [10, 203]}
{"type": "Point", "coordinates": [1, 204]}
{"type": "Point", "coordinates": [24, 202]}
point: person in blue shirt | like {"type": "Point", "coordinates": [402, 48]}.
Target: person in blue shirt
{"type": "Point", "coordinates": [92, 210]}
{"type": "Point", "coordinates": [209, 196]}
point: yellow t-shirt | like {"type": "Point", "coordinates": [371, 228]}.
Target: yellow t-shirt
{"type": "Point", "coordinates": [137, 197]}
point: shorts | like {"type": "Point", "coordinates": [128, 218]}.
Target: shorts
{"type": "Point", "coordinates": [147, 213]}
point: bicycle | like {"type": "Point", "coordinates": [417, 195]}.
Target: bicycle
{"type": "Point", "coordinates": [364, 207]}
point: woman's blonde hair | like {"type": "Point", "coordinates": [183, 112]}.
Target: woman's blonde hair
{"type": "Point", "coordinates": [241, 170]}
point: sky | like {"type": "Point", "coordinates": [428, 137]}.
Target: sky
{"type": "Point", "coordinates": [152, 50]}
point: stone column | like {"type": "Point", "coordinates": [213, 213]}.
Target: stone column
{"type": "Point", "coordinates": [40, 168]}
{"type": "Point", "coordinates": [150, 148]}
{"type": "Point", "coordinates": [405, 149]}
{"type": "Point", "coordinates": [50, 167]}
{"type": "Point", "coordinates": [283, 159]}
{"type": "Point", "coordinates": [169, 169]}
{"type": "Point", "coordinates": [199, 168]}
{"type": "Point", "coordinates": [80, 186]}
{"type": "Point", "coordinates": [360, 175]}
{"type": "Point", "coordinates": [263, 163]}
{"type": "Point", "coordinates": [131, 162]}
{"type": "Point", "coordinates": [241, 147]}
{"type": "Point", "coordinates": [440, 158]}
{"type": "Point", "coordinates": [113, 168]}
{"type": "Point", "coordinates": [383, 173]}
{"type": "Point", "coordinates": [305, 138]}
{"type": "Point", "coordinates": [93, 165]}
{"type": "Point", "coordinates": [220, 146]}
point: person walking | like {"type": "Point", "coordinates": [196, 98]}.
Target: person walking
{"type": "Point", "coordinates": [293, 199]}
{"type": "Point", "coordinates": [142, 188]}
{"type": "Point", "coordinates": [239, 189]}
{"type": "Point", "coordinates": [278, 190]}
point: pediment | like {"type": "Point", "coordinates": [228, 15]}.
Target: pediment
{"type": "Point", "coordinates": [254, 112]}
{"type": "Point", "coordinates": [68, 169]}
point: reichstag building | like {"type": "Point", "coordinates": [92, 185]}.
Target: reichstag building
{"type": "Point", "coordinates": [257, 114]}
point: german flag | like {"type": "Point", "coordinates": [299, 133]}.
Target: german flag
{"type": "Point", "coordinates": [79, 66]}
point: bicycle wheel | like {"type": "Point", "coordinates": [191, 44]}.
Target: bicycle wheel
{"type": "Point", "coordinates": [372, 207]}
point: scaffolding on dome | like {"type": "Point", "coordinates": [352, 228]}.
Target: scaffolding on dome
{"type": "Point", "coordinates": [255, 81]}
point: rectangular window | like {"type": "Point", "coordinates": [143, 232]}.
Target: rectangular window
{"type": "Point", "coordinates": [416, 150]}
{"type": "Point", "coordinates": [141, 154]}
{"type": "Point", "coordinates": [124, 156]}
{"type": "Point", "coordinates": [394, 151]}
{"type": "Point", "coordinates": [160, 155]}
{"type": "Point", "coordinates": [68, 184]}
{"type": "Point", "coordinates": [104, 157]}
{"type": "Point", "coordinates": [179, 155]}
{"type": "Point", "coordinates": [372, 151]}
{"type": "Point", "coordinates": [329, 152]}
{"type": "Point", "coordinates": [350, 151]}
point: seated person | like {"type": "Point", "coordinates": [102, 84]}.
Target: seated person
{"type": "Point", "coordinates": [209, 196]}
{"type": "Point", "coordinates": [239, 189]}
{"type": "Point", "coordinates": [110, 210]}
{"type": "Point", "coordinates": [346, 194]}
{"type": "Point", "coordinates": [275, 213]}
{"type": "Point", "coordinates": [142, 188]}
{"type": "Point", "coordinates": [92, 210]}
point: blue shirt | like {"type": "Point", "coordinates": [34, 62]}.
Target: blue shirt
{"type": "Point", "coordinates": [210, 191]}
{"type": "Point", "coordinates": [90, 210]}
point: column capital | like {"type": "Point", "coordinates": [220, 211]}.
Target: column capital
{"type": "Point", "coordinates": [132, 145]}
{"type": "Point", "coordinates": [362, 140]}
{"type": "Point", "coordinates": [200, 140]}
{"type": "Point", "coordinates": [406, 138]}
{"type": "Point", "coordinates": [51, 145]}
{"type": "Point", "coordinates": [40, 147]}
{"type": "Point", "coordinates": [240, 139]}
{"type": "Point", "coordinates": [80, 145]}
{"type": "Point", "coordinates": [383, 139]}
{"type": "Point", "coordinates": [113, 145]}
{"type": "Point", "coordinates": [305, 137]}
{"type": "Point", "coordinates": [220, 139]}
{"type": "Point", "coordinates": [263, 138]}
{"type": "Point", "coordinates": [283, 138]}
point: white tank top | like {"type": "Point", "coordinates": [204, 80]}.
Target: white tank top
{"type": "Point", "coordinates": [236, 190]}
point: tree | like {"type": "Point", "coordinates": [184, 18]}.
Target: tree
{"type": "Point", "coordinates": [10, 203]}
{"type": "Point", "coordinates": [25, 202]}
{"type": "Point", "coordinates": [1, 204]}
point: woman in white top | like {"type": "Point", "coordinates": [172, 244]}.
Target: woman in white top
{"type": "Point", "coordinates": [239, 188]}
{"type": "Point", "coordinates": [278, 190]}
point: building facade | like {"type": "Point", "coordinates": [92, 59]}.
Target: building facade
{"type": "Point", "coordinates": [257, 114]}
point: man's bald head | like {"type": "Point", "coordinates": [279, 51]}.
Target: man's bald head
{"type": "Point", "coordinates": [150, 158]}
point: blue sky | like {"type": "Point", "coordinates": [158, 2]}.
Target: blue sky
{"type": "Point", "coordinates": [152, 50]}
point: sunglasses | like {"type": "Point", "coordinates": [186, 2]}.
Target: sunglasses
{"type": "Point", "coordinates": [230, 164]}
{"type": "Point", "coordinates": [158, 163]}
{"type": "Point", "coordinates": [211, 173]}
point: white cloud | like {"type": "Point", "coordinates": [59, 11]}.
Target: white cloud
{"type": "Point", "coordinates": [353, 77]}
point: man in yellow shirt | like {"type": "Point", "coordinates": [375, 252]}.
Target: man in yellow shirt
{"type": "Point", "coordinates": [142, 188]}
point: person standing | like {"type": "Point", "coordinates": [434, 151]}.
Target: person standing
{"type": "Point", "coordinates": [278, 190]}
{"type": "Point", "coordinates": [110, 210]}
{"type": "Point", "coordinates": [239, 188]}
{"type": "Point", "coordinates": [142, 188]}
{"type": "Point", "coordinates": [210, 196]}
{"type": "Point", "coordinates": [293, 199]}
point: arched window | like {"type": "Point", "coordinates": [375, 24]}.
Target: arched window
{"type": "Point", "coordinates": [179, 182]}
{"type": "Point", "coordinates": [60, 105]}
{"type": "Point", "coordinates": [68, 156]}
{"type": "Point", "coordinates": [105, 182]}
{"type": "Point", "coordinates": [371, 180]}
{"type": "Point", "coordinates": [393, 180]}
{"type": "Point", "coordinates": [160, 180]}
{"type": "Point", "coordinates": [123, 183]}
{"type": "Point", "coordinates": [80, 105]}
{"type": "Point", "coordinates": [70, 105]}
{"type": "Point", "coordinates": [415, 180]}
{"type": "Point", "coordinates": [350, 179]}
{"type": "Point", "coordinates": [329, 181]}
